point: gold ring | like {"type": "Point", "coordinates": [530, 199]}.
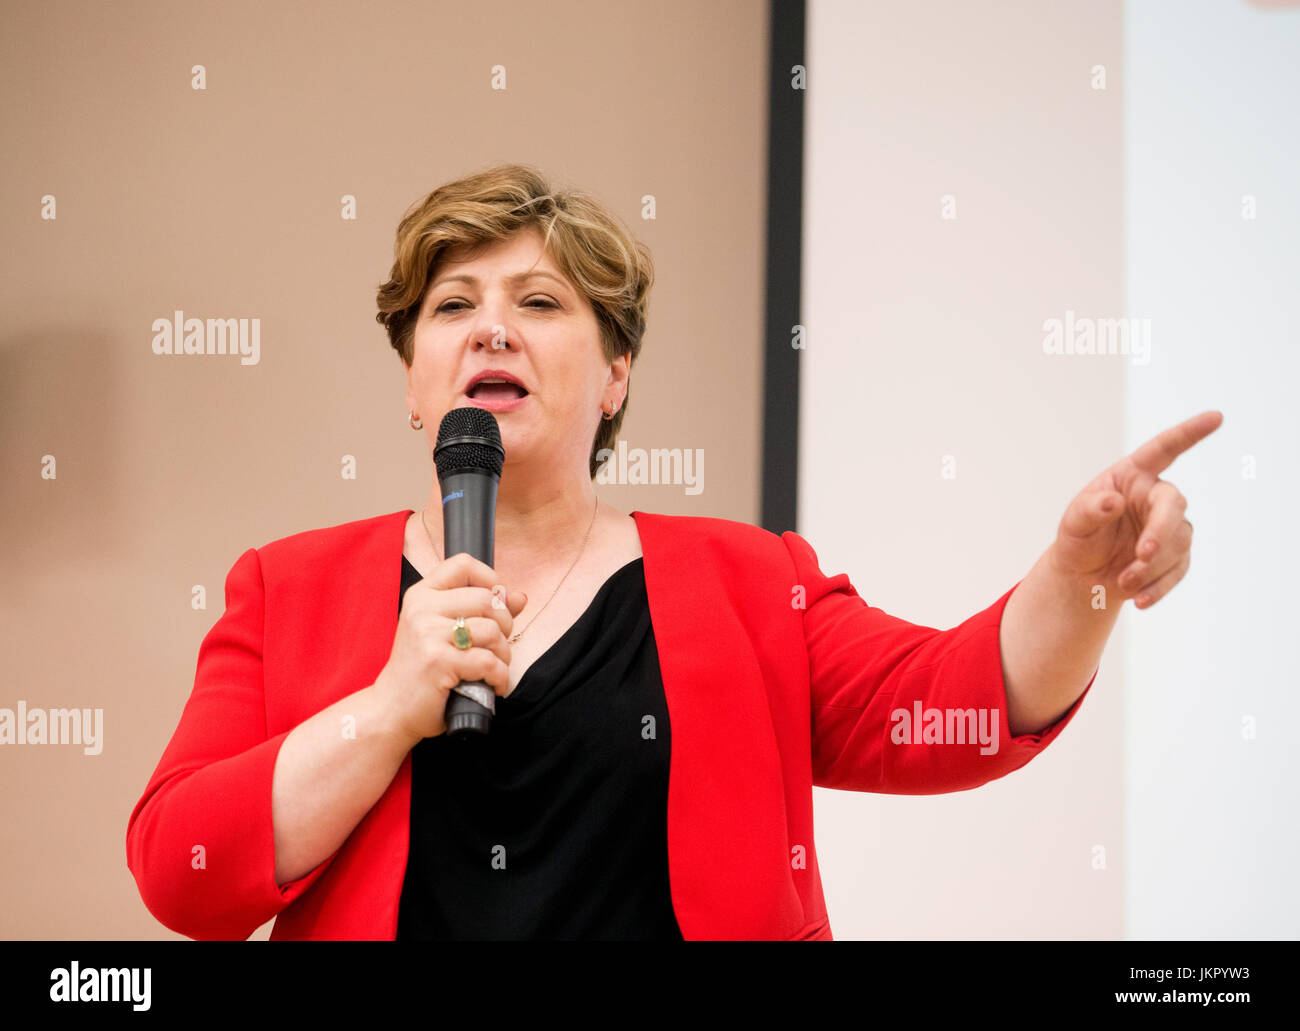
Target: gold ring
{"type": "Point", "coordinates": [460, 635]}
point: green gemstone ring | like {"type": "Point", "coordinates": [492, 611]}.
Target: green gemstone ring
{"type": "Point", "coordinates": [460, 635]}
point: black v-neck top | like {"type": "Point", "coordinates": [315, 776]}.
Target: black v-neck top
{"type": "Point", "coordinates": [554, 824]}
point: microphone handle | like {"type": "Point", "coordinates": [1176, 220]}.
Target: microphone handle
{"type": "Point", "coordinates": [469, 506]}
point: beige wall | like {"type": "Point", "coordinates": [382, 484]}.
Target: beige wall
{"type": "Point", "coordinates": [225, 203]}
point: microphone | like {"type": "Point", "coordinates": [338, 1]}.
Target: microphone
{"type": "Point", "coordinates": [469, 457]}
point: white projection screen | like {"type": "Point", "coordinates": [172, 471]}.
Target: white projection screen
{"type": "Point", "coordinates": [972, 172]}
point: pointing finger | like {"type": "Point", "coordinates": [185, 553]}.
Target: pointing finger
{"type": "Point", "coordinates": [1158, 453]}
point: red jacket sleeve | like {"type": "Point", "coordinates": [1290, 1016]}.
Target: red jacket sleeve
{"type": "Point", "coordinates": [200, 842]}
{"type": "Point", "coordinates": [871, 674]}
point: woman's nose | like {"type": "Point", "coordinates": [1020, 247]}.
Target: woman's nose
{"type": "Point", "coordinates": [491, 336]}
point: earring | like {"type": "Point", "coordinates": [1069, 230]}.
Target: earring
{"type": "Point", "coordinates": [415, 424]}
{"type": "Point", "coordinates": [606, 415]}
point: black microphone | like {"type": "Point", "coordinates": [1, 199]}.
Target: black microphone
{"type": "Point", "coordinates": [469, 457]}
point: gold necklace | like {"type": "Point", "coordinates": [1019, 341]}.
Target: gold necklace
{"type": "Point", "coordinates": [516, 637]}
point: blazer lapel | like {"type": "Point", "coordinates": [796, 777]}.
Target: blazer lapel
{"type": "Point", "coordinates": [728, 855]}
{"type": "Point", "coordinates": [374, 888]}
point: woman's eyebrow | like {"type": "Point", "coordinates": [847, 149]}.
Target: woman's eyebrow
{"type": "Point", "coordinates": [518, 277]}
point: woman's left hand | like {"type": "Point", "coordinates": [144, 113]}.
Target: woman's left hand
{"type": "Point", "coordinates": [1126, 530]}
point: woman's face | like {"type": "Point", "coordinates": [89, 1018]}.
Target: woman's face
{"type": "Point", "coordinates": [508, 308]}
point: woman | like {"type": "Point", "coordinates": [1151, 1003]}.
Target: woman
{"type": "Point", "coordinates": [669, 689]}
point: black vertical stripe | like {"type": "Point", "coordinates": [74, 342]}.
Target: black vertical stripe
{"type": "Point", "coordinates": [784, 265]}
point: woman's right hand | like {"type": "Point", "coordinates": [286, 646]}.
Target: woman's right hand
{"type": "Point", "coordinates": [425, 663]}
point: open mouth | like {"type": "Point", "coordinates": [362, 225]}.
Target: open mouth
{"type": "Point", "coordinates": [498, 391]}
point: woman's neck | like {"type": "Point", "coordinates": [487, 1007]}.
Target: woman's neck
{"type": "Point", "coordinates": [537, 530]}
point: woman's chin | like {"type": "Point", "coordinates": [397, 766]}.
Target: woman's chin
{"type": "Point", "coordinates": [518, 444]}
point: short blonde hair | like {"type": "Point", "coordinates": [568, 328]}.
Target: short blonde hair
{"type": "Point", "coordinates": [588, 244]}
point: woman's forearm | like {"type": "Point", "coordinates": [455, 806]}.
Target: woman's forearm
{"type": "Point", "coordinates": [329, 772]}
{"type": "Point", "coordinates": [1052, 638]}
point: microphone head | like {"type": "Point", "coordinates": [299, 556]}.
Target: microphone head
{"type": "Point", "coordinates": [469, 438]}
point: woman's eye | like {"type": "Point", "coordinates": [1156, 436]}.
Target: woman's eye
{"type": "Point", "coordinates": [457, 305]}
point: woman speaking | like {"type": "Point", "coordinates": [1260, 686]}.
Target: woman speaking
{"type": "Point", "coordinates": [668, 689]}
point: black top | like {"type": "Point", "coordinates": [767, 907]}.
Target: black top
{"type": "Point", "coordinates": [554, 824]}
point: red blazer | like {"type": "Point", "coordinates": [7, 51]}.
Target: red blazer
{"type": "Point", "coordinates": [777, 676]}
